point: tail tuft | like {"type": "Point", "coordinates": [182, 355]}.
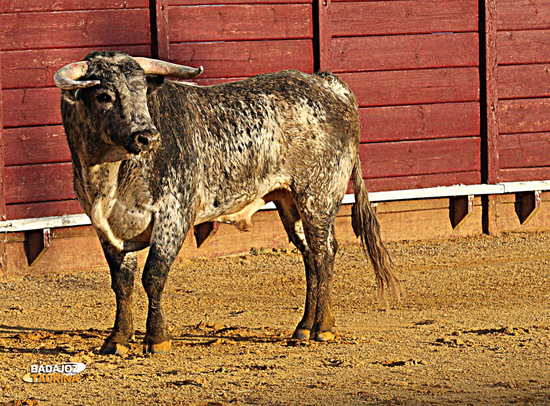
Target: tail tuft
{"type": "Point", "coordinates": [365, 225]}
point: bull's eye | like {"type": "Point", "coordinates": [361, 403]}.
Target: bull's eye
{"type": "Point", "coordinates": [104, 98]}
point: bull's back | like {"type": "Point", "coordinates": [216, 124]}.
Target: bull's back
{"type": "Point", "coordinates": [280, 107]}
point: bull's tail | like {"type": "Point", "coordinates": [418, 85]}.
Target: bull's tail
{"type": "Point", "coordinates": [365, 225]}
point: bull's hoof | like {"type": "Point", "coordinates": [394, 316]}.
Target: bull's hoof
{"type": "Point", "coordinates": [110, 347]}
{"type": "Point", "coordinates": [157, 348]}
{"type": "Point", "coordinates": [323, 336]}
{"type": "Point", "coordinates": [301, 334]}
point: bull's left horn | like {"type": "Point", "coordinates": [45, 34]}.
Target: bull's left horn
{"type": "Point", "coordinates": [157, 67]}
{"type": "Point", "coordinates": [68, 76]}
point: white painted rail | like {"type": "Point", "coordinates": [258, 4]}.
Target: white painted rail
{"type": "Point", "coordinates": [73, 220]}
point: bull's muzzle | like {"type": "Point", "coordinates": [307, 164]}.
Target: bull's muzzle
{"type": "Point", "coordinates": [146, 139]}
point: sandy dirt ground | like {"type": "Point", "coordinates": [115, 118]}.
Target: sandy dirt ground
{"type": "Point", "coordinates": [473, 328]}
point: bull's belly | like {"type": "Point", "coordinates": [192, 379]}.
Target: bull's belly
{"type": "Point", "coordinates": [241, 215]}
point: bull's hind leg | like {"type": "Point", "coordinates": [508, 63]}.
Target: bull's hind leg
{"type": "Point", "coordinates": [122, 266]}
{"type": "Point", "coordinates": [323, 246]}
{"type": "Point", "coordinates": [315, 240]}
{"type": "Point", "coordinates": [292, 223]}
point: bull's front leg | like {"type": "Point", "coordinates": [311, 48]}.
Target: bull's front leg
{"type": "Point", "coordinates": [168, 235]}
{"type": "Point", "coordinates": [122, 266]}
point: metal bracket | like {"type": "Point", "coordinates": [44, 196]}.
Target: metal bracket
{"type": "Point", "coordinates": [527, 204]}
{"type": "Point", "coordinates": [204, 231]}
{"type": "Point", "coordinates": [374, 207]}
{"type": "Point", "coordinates": [37, 242]}
{"type": "Point", "coordinates": [460, 208]}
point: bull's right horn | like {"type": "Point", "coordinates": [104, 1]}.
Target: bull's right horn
{"type": "Point", "coordinates": [67, 77]}
{"type": "Point", "coordinates": [158, 67]}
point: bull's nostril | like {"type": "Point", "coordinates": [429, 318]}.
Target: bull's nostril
{"type": "Point", "coordinates": [146, 138]}
{"type": "Point", "coordinates": [142, 139]}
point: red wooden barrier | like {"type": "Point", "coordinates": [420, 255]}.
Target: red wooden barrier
{"type": "Point", "coordinates": [37, 183]}
{"type": "Point", "coordinates": [449, 93]}
{"type": "Point", "coordinates": [413, 64]}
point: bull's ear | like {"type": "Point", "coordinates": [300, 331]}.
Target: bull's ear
{"type": "Point", "coordinates": [154, 82]}
{"type": "Point", "coordinates": [71, 96]}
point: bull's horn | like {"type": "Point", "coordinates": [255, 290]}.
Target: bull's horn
{"type": "Point", "coordinates": [67, 77]}
{"type": "Point", "coordinates": [157, 67]}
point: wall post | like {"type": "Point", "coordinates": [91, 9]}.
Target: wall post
{"type": "Point", "coordinates": [159, 29]}
{"type": "Point", "coordinates": [490, 166]}
{"type": "Point", "coordinates": [3, 254]}
{"type": "Point", "coordinates": [322, 35]}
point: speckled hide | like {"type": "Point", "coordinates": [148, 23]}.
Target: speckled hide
{"type": "Point", "coordinates": [152, 158]}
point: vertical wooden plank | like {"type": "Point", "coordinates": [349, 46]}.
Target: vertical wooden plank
{"type": "Point", "coordinates": [490, 214]}
{"type": "Point", "coordinates": [491, 94]}
{"type": "Point", "coordinates": [160, 42]}
{"type": "Point", "coordinates": [2, 194]}
{"type": "Point", "coordinates": [3, 256]}
{"type": "Point", "coordinates": [489, 104]}
{"type": "Point", "coordinates": [3, 243]}
{"type": "Point", "coordinates": [323, 34]}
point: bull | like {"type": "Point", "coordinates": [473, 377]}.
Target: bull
{"type": "Point", "coordinates": [153, 158]}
